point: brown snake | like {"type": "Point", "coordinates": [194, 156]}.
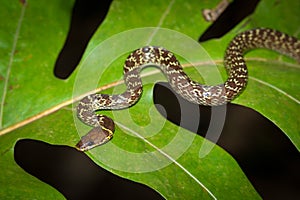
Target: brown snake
{"type": "Point", "coordinates": [192, 91]}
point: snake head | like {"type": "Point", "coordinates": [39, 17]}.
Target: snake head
{"type": "Point", "coordinates": [95, 137]}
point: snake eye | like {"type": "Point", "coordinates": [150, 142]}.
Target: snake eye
{"type": "Point", "coordinates": [90, 143]}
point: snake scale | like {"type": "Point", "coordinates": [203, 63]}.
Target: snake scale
{"type": "Point", "coordinates": [192, 91]}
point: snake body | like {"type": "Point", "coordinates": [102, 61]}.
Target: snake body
{"type": "Point", "coordinates": [180, 82]}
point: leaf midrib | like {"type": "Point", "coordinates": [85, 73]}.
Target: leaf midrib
{"type": "Point", "coordinates": [147, 74]}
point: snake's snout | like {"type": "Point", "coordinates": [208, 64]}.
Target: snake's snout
{"type": "Point", "coordinates": [95, 137]}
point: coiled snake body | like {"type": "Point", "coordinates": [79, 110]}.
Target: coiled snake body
{"type": "Point", "coordinates": [180, 82]}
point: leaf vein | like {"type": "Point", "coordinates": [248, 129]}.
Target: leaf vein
{"type": "Point", "coordinates": [167, 156]}
{"type": "Point", "coordinates": [277, 89]}
{"type": "Point", "coordinates": [163, 17]}
{"type": "Point", "coordinates": [13, 50]}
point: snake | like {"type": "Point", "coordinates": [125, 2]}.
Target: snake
{"type": "Point", "coordinates": [208, 95]}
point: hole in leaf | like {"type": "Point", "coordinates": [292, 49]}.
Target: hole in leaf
{"type": "Point", "coordinates": [74, 174]}
{"type": "Point", "coordinates": [87, 15]}
{"type": "Point", "coordinates": [265, 154]}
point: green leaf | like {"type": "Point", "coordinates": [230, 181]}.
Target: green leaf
{"type": "Point", "coordinates": [31, 36]}
{"type": "Point", "coordinates": [30, 42]}
{"type": "Point", "coordinates": [145, 148]}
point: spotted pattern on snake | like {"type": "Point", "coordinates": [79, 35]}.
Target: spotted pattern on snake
{"type": "Point", "coordinates": [192, 91]}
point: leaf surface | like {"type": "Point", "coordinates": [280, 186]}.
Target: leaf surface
{"type": "Point", "coordinates": [165, 156]}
